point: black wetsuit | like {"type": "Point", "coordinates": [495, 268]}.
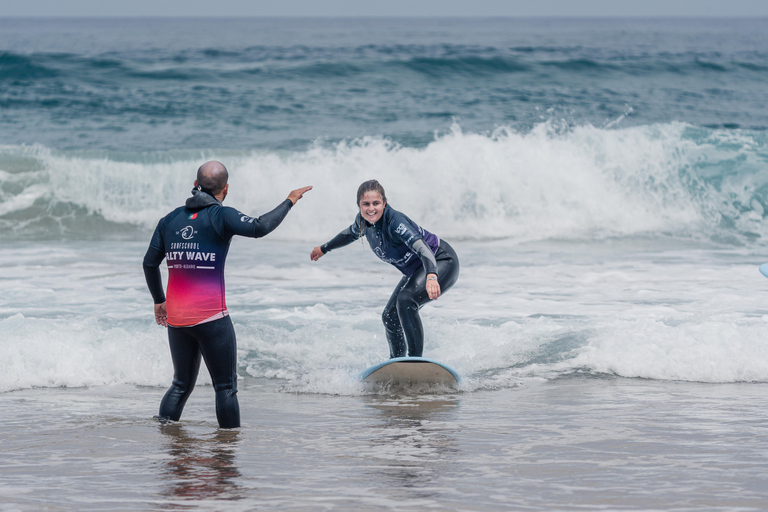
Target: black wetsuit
{"type": "Point", "coordinates": [416, 252]}
{"type": "Point", "coordinates": [194, 240]}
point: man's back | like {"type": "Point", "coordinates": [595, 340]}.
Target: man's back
{"type": "Point", "coordinates": [194, 239]}
{"type": "Point", "coordinates": [195, 253]}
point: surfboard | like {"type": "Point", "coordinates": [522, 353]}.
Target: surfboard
{"type": "Point", "coordinates": [402, 371]}
{"type": "Point", "coordinates": [764, 269]}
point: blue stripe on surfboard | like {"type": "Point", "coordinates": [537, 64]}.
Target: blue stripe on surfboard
{"type": "Point", "coordinates": [365, 373]}
{"type": "Point", "coordinates": [764, 269]}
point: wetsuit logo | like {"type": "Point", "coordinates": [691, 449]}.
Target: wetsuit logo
{"type": "Point", "coordinates": [379, 252]}
{"type": "Point", "coordinates": [401, 229]}
{"type": "Point", "coordinates": [187, 233]}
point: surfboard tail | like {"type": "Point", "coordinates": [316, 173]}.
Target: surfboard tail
{"type": "Point", "coordinates": [411, 371]}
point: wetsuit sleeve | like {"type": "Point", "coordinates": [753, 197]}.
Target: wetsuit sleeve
{"type": "Point", "coordinates": [152, 259]}
{"type": "Point", "coordinates": [426, 256]}
{"type": "Point", "coordinates": [402, 228]}
{"type": "Point", "coordinates": [236, 223]}
{"type": "Point", "coordinates": [346, 237]}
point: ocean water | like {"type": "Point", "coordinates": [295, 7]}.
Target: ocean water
{"type": "Point", "coordinates": [604, 182]}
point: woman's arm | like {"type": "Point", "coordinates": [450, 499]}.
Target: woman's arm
{"type": "Point", "coordinates": [425, 254]}
{"type": "Point", "coordinates": [430, 266]}
{"type": "Point", "coordinates": [346, 237]}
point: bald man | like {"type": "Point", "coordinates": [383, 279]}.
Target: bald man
{"type": "Point", "coordinates": [194, 240]}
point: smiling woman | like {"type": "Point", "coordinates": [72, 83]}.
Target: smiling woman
{"type": "Point", "coordinates": [429, 265]}
{"type": "Point", "coordinates": [372, 203]}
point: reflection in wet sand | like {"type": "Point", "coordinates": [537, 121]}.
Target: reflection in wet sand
{"type": "Point", "coordinates": [201, 466]}
{"type": "Point", "coordinates": [414, 446]}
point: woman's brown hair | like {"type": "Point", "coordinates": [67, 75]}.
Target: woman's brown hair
{"type": "Point", "coordinates": [370, 186]}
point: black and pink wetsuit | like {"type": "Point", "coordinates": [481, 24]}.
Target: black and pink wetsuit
{"type": "Point", "coordinates": [194, 240]}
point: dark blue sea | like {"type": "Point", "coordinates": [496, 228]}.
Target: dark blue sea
{"type": "Point", "coordinates": [604, 182]}
{"type": "Point", "coordinates": [245, 84]}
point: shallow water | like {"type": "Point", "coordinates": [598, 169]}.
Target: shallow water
{"type": "Point", "coordinates": [568, 444]}
{"type": "Point", "coordinates": [550, 340]}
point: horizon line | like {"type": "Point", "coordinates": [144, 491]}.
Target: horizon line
{"type": "Point", "coordinates": [380, 16]}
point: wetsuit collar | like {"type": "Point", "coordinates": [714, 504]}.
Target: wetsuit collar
{"type": "Point", "coordinates": [200, 199]}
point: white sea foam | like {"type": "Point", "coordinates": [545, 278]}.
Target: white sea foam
{"type": "Point", "coordinates": [76, 353]}
{"type": "Point", "coordinates": [642, 305]}
{"type": "Point", "coordinates": [581, 183]}
{"type": "Point", "coordinates": [702, 350]}
{"type": "Point", "coordinates": [78, 314]}
{"type": "Point", "coordinates": [576, 183]}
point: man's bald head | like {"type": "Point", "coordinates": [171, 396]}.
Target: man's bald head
{"type": "Point", "coordinates": [213, 177]}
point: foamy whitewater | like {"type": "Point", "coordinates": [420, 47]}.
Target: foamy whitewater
{"type": "Point", "coordinates": [604, 184]}
{"type": "Point", "coordinates": [643, 223]}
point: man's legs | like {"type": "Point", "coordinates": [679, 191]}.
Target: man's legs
{"type": "Point", "coordinates": [219, 349]}
{"type": "Point", "coordinates": [185, 355]}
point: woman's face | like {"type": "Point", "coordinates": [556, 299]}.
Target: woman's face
{"type": "Point", "coordinates": [372, 206]}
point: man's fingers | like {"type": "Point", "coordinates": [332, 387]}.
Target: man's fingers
{"type": "Point", "coordinates": [297, 194]}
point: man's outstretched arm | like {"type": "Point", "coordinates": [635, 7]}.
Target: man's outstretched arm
{"type": "Point", "coordinates": [258, 227]}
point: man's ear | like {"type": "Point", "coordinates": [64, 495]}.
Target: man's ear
{"type": "Point", "coordinates": [195, 185]}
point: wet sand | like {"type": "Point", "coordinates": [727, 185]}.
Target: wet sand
{"type": "Point", "coordinates": [578, 443]}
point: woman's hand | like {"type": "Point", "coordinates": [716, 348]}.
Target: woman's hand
{"type": "Point", "coordinates": [316, 253]}
{"type": "Point", "coordinates": [433, 287]}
